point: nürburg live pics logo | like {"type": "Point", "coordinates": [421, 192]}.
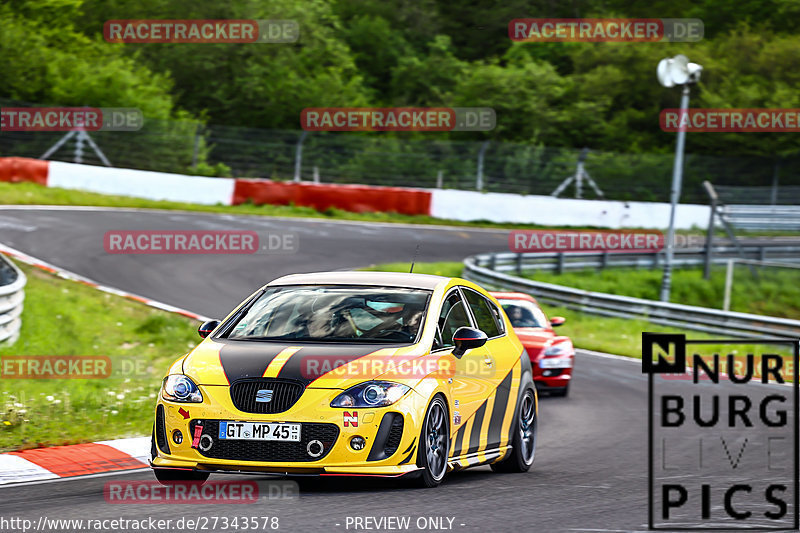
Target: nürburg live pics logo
{"type": "Point", "coordinates": [722, 433]}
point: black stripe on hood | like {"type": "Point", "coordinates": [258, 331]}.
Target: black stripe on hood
{"type": "Point", "coordinates": [327, 357]}
{"type": "Point", "coordinates": [247, 359]}
{"type": "Point", "coordinates": [250, 359]}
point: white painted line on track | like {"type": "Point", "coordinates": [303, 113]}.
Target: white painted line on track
{"type": "Point", "coordinates": [440, 227]}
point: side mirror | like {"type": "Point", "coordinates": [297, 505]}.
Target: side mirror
{"type": "Point", "coordinates": [466, 339]}
{"type": "Point", "coordinates": [557, 321]}
{"type": "Point", "coordinates": [207, 327]}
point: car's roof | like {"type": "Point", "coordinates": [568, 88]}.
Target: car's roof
{"type": "Point", "coordinates": [378, 279]}
{"type": "Point", "coordinates": [512, 296]}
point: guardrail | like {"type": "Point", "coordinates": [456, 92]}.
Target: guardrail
{"type": "Point", "coordinates": [715, 321]}
{"type": "Point", "coordinates": [12, 283]}
{"type": "Point", "coordinates": [562, 261]}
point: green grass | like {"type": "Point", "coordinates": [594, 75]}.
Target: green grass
{"type": "Point", "coordinates": [776, 292]}
{"type": "Point", "coordinates": [62, 317]}
{"type": "Point", "coordinates": [591, 332]}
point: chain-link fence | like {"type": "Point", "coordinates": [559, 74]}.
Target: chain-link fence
{"type": "Point", "coordinates": [397, 160]}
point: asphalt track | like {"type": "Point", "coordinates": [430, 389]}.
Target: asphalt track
{"type": "Point", "coordinates": [591, 465]}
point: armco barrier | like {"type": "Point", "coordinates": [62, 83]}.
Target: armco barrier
{"type": "Point", "coordinates": [741, 325]}
{"type": "Point", "coordinates": [438, 203]}
{"type": "Point", "coordinates": [777, 250]}
{"type": "Point", "coordinates": [12, 283]}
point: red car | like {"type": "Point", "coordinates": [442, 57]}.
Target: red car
{"type": "Point", "coordinates": [552, 356]}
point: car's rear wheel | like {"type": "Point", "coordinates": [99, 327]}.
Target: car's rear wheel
{"type": "Point", "coordinates": [434, 444]}
{"type": "Point", "coordinates": [524, 440]}
{"type": "Point", "coordinates": [168, 476]}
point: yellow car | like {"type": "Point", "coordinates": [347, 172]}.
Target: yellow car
{"type": "Point", "coordinates": [351, 373]}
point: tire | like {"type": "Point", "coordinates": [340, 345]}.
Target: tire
{"type": "Point", "coordinates": [168, 476]}
{"type": "Point", "coordinates": [524, 441]}
{"type": "Point", "coordinates": [434, 444]}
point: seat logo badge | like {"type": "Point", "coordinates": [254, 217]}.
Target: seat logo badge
{"type": "Point", "coordinates": [264, 396]}
{"type": "Point", "coordinates": [350, 419]}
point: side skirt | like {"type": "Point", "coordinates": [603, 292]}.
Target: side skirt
{"type": "Point", "coordinates": [478, 458]}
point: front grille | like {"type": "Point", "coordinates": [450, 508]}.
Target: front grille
{"type": "Point", "coordinates": [270, 451]}
{"type": "Point", "coordinates": [284, 395]}
{"type": "Point", "coordinates": [395, 435]}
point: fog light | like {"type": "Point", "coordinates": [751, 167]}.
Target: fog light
{"type": "Point", "coordinates": [177, 436]}
{"type": "Point", "coordinates": [358, 443]}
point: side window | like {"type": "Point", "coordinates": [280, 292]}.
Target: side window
{"type": "Point", "coordinates": [453, 316]}
{"type": "Point", "coordinates": [498, 317]}
{"type": "Point", "coordinates": [483, 312]}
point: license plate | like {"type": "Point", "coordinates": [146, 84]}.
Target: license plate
{"type": "Point", "coordinates": [259, 431]}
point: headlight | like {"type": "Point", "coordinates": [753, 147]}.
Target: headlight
{"type": "Point", "coordinates": [179, 388]}
{"type": "Point", "coordinates": [555, 350]}
{"type": "Point", "coordinates": [371, 394]}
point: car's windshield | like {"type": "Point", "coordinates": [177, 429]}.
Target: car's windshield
{"type": "Point", "coordinates": [334, 314]}
{"type": "Point", "coordinates": [524, 314]}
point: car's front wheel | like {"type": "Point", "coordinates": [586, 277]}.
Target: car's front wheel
{"type": "Point", "coordinates": [524, 441]}
{"type": "Point", "coordinates": [168, 476]}
{"type": "Point", "coordinates": [434, 444]}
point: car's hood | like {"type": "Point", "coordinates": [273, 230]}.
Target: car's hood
{"type": "Point", "coordinates": [222, 361]}
{"type": "Point", "coordinates": [534, 339]}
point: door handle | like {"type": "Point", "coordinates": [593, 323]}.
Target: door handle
{"type": "Point", "coordinates": [488, 361]}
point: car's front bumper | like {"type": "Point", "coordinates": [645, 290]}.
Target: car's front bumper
{"type": "Point", "coordinates": [389, 451]}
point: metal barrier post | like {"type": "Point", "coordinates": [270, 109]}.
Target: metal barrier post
{"type": "Point", "coordinates": [710, 233]}
{"type": "Point", "coordinates": [726, 302]}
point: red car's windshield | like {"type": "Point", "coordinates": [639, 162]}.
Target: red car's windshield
{"type": "Point", "coordinates": [523, 314]}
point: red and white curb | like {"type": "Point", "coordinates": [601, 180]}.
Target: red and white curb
{"type": "Point", "coordinates": [41, 464]}
{"type": "Point", "coordinates": [74, 460]}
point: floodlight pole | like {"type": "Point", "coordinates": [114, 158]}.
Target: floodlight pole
{"type": "Point", "coordinates": [675, 193]}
